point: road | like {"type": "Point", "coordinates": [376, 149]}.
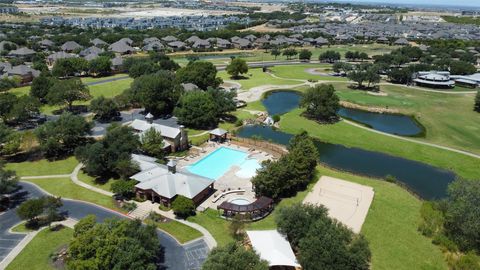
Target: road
{"type": "Point", "coordinates": [177, 257]}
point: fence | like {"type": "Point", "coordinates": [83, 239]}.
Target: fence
{"type": "Point", "coordinates": [276, 150]}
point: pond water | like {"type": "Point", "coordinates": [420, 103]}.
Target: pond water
{"type": "Point", "coordinates": [427, 181]}
{"type": "Point", "coordinates": [283, 101]}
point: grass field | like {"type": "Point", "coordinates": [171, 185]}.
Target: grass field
{"type": "Point", "coordinates": [43, 167]}
{"type": "Point", "coordinates": [103, 184]}
{"type": "Point", "coordinates": [218, 227]}
{"type": "Point", "coordinates": [256, 77]}
{"type": "Point", "coordinates": [21, 228]}
{"type": "Point", "coordinates": [65, 188]}
{"type": "Point", "coordinates": [181, 232]}
{"type": "Point", "coordinates": [298, 72]}
{"type": "Point", "coordinates": [36, 255]}
{"type": "Point", "coordinates": [449, 119]}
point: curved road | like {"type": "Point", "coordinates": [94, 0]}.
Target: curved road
{"type": "Point", "coordinates": [177, 257]}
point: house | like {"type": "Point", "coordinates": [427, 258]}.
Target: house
{"type": "Point", "coordinates": [320, 41]}
{"type": "Point", "coordinates": [401, 42]}
{"type": "Point", "coordinates": [24, 72]}
{"type": "Point", "coordinates": [58, 55]}
{"type": "Point", "coordinates": [223, 43]}
{"type": "Point", "coordinates": [201, 44]}
{"type": "Point", "coordinates": [23, 52]}
{"type": "Point", "coordinates": [177, 45]}
{"type": "Point", "coordinates": [126, 41]}
{"type": "Point", "coordinates": [150, 40]}
{"type": "Point", "coordinates": [91, 56]}
{"type": "Point", "coordinates": [241, 43]}
{"type": "Point", "coordinates": [90, 50]}
{"type": "Point", "coordinates": [434, 79]}
{"type": "Point", "coordinates": [174, 139]}
{"type": "Point", "coordinates": [274, 248]}
{"type": "Point", "coordinates": [46, 44]}
{"type": "Point", "coordinates": [154, 46]}
{"type": "Point", "coordinates": [251, 38]}
{"type": "Point", "coordinates": [70, 46]}
{"type": "Point", "coordinates": [163, 183]}
{"type": "Point", "coordinates": [117, 64]}
{"type": "Point", "coordinates": [383, 40]}
{"type": "Point", "coordinates": [98, 42]}
{"type": "Point", "coordinates": [169, 39]}
{"type": "Point", "coordinates": [192, 39]}
{"type": "Point", "coordinates": [121, 47]}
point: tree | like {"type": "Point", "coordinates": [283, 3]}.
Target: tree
{"type": "Point", "coordinates": [10, 141]}
{"type": "Point", "coordinates": [112, 155]}
{"type": "Point", "coordinates": [30, 210]}
{"type": "Point", "coordinates": [163, 61]}
{"type": "Point", "coordinates": [461, 218]}
{"type": "Point", "coordinates": [7, 84]}
{"type": "Point", "coordinates": [40, 87]}
{"type": "Point", "coordinates": [7, 100]}
{"type": "Point", "coordinates": [197, 109]}
{"type": "Point", "coordinates": [105, 109]}
{"type": "Point", "coordinates": [84, 224]}
{"type": "Point", "coordinates": [275, 52]}
{"type": "Point", "coordinates": [126, 188]}
{"type": "Point", "coordinates": [476, 107]}
{"type": "Point", "coordinates": [329, 56]}
{"type": "Point", "coordinates": [462, 68]}
{"type": "Point", "coordinates": [202, 74]}
{"type": "Point", "coordinates": [24, 108]}
{"type": "Point", "coordinates": [156, 92]}
{"type": "Point", "coordinates": [152, 143]}
{"type": "Point", "coordinates": [66, 92]}
{"type": "Point", "coordinates": [101, 65]}
{"type": "Point", "coordinates": [322, 243]}
{"type": "Point", "coordinates": [234, 257]}
{"type": "Point", "coordinates": [114, 244]}
{"type": "Point", "coordinates": [371, 75]}
{"type": "Point", "coordinates": [142, 68]}
{"type": "Point", "coordinates": [342, 67]}
{"type": "Point", "coordinates": [403, 76]}
{"type": "Point", "coordinates": [58, 138]}
{"type": "Point", "coordinates": [8, 180]}
{"type": "Point", "coordinates": [183, 206]}
{"type": "Point", "coordinates": [224, 100]}
{"type": "Point", "coordinates": [47, 207]}
{"type": "Point", "coordinates": [69, 67]}
{"type": "Point", "coordinates": [321, 103]}
{"type": "Point", "coordinates": [305, 55]}
{"type": "Point", "coordinates": [236, 67]}
{"type": "Point", "coordinates": [289, 53]}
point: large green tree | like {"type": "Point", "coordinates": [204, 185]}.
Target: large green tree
{"type": "Point", "coordinates": [8, 180]}
{"type": "Point", "coordinates": [100, 66]}
{"type": "Point", "coordinates": [476, 106]}
{"type": "Point", "coordinates": [329, 56]}
{"type": "Point", "coordinates": [69, 67]}
{"type": "Point", "coordinates": [156, 92]}
{"type": "Point", "coordinates": [60, 137]}
{"type": "Point", "coordinates": [40, 87]}
{"type": "Point", "coordinates": [105, 109]}
{"type": "Point", "coordinates": [322, 243]}
{"type": "Point", "coordinates": [197, 109]}
{"type": "Point", "coordinates": [236, 67]}
{"type": "Point", "coordinates": [234, 257]}
{"type": "Point", "coordinates": [321, 103]}
{"type": "Point", "coordinates": [183, 206]}
{"type": "Point", "coordinates": [152, 143]}
{"type": "Point", "coordinates": [65, 92]}
{"type": "Point", "coordinates": [305, 54]}
{"type": "Point", "coordinates": [24, 108]}
{"type": "Point", "coordinates": [112, 155]}
{"type": "Point", "coordinates": [202, 74]}
{"type": "Point", "coordinates": [114, 244]}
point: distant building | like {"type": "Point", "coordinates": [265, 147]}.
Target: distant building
{"type": "Point", "coordinates": [434, 79]}
{"type": "Point", "coordinates": [8, 9]}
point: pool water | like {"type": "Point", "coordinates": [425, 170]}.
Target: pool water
{"type": "Point", "coordinates": [217, 163]}
{"type": "Point", "coordinates": [240, 201]}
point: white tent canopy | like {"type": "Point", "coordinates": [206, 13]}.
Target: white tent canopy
{"type": "Point", "coordinates": [273, 247]}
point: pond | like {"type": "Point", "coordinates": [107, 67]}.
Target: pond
{"type": "Point", "coordinates": [427, 181]}
{"type": "Point", "coordinates": [283, 101]}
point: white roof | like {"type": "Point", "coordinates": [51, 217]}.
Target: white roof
{"type": "Point", "coordinates": [273, 247]}
{"type": "Point", "coordinates": [166, 131]}
{"type": "Point", "coordinates": [158, 178]}
{"type": "Point", "coordinates": [218, 132]}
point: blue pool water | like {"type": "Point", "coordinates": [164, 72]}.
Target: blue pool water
{"type": "Point", "coordinates": [217, 163]}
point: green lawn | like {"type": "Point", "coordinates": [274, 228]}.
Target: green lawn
{"type": "Point", "coordinates": [36, 255]}
{"type": "Point", "coordinates": [180, 231]}
{"type": "Point", "coordinates": [298, 72]}
{"type": "Point", "coordinates": [65, 188]}
{"type": "Point", "coordinates": [257, 78]}
{"type": "Point", "coordinates": [21, 228]}
{"type": "Point", "coordinates": [346, 134]}
{"type": "Point", "coordinates": [99, 183]}
{"type": "Point", "coordinates": [218, 227]}
{"type": "Point", "coordinates": [98, 79]}
{"type": "Point", "coordinates": [449, 119]}
{"type": "Point", "coordinates": [43, 167]}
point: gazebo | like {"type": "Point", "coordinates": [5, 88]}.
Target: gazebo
{"type": "Point", "coordinates": [218, 134]}
{"type": "Point", "coordinates": [254, 211]}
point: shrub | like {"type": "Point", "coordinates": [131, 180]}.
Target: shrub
{"type": "Point", "coordinates": [390, 178]}
{"type": "Point", "coordinates": [432, 220]}
{"type": "Point", "coordinates": [183, 207]}
{"type": "Point", "coordinates": [276, 118]}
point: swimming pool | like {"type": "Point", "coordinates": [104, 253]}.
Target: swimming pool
{"type": "Point", "coordinates": [240, 201]}
{"type": "Point", "coordinates": [217, 163]}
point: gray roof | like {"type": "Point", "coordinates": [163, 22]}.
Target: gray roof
{"type": "Point", "coordinates": [401, 41]}
{"type": "Point", "coordinates": [22, 70]}
{"type": "Point", "coordinates": [166, 131]}
{"type": "Point", "coordinates": [121, 47]}
{"type": "Point", "coordinates": [218, 132]}
{"type": "Point", "coordinates": [46, 43]}
{"type": "Point", "coordinates": [90, 57]}
{"type": "Point", "coordinates": [91, 50]}
{"type": "Point", "coordinates": [150, 40]}
{"type": "Point", "coordinates": [153, 46]}
{"type": "Point", "coordinates": [24, 51]}
{"type": "Point", "coordinates": [189, 86]}
{"type": "Point", "coordinates": [169, 38]}
{"type": "Point", "coordinates": [177, 44]}
{"type": "Point", "coordinates": [158, 178]}
{"type": "Point", "coordinates": [70, 46]}
{"type": "Point", "coordinates": [60, 55]}
{"type": "Point", "coordinates": [97, 42]}
{"type": "Point", "coordinates": [117, 61]}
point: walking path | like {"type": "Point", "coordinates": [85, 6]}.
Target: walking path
{"type": "Point", "coordinates": [107, 80]}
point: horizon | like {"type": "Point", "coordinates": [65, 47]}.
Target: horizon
{"type": "Point", "coordinates": [457, 4]}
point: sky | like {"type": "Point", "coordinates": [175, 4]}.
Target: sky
{"type": "Point", "coordinates": [471, 3]}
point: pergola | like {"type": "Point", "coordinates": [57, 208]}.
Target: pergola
{"type": "Point", "coordinates": [255, 210]}
{"type": "Point", "coordinates": [218, 134]}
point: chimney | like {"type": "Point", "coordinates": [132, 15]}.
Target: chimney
{"type": "Point", "coordinates": [183, 138]}
{"type": "Point", "coordinates": [172, 166]}
{"type": "Point", "coordinates": [149, 118]}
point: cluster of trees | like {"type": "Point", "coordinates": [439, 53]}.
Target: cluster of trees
{"type": "Point", "coordinates": [322, 243]}
{"type": "Point", "coordinates": [476, 106]}
{"type": "Point", "coordinates": [365, 73]}
{"type": "Point", "coordinates": [453, 223]}
{"type": "Point", "coordinates": [40, 211]}
{"type": "Point", "coordinates": [291, 173]}
{"type": "Point", "coordinates": [321, 103]}
{"type": "Point", "coordinates": [111, 156]}
{"type": "Point", "coordinates": [234, 257]}
{"type": "Point", "coordinates": [356, 55]}
{"type": "Point", "coordinates": [16, 110]}
{"type": "Point", "coordinates": [8, 184]}
{"type": "Point", "coordinates": [329, 56]}
{"type": "Point", "coordinates": [138, 66]}
{"type": "Point", "coordinates": [183, 207]}
{"type": "Point", "coordinates": [114, 244]}
{"type": "Point", "coordinates": [10, 141]}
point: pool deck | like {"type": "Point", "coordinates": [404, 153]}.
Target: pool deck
{"type": "Point", "coordinates": [228, 183]}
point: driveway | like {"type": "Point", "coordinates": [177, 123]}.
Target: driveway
{"type": "Point", "coordinates": [177, 257]}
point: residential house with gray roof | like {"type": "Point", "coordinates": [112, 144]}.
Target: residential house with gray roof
{"type": "Point", "coordinates": [70, 46]}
